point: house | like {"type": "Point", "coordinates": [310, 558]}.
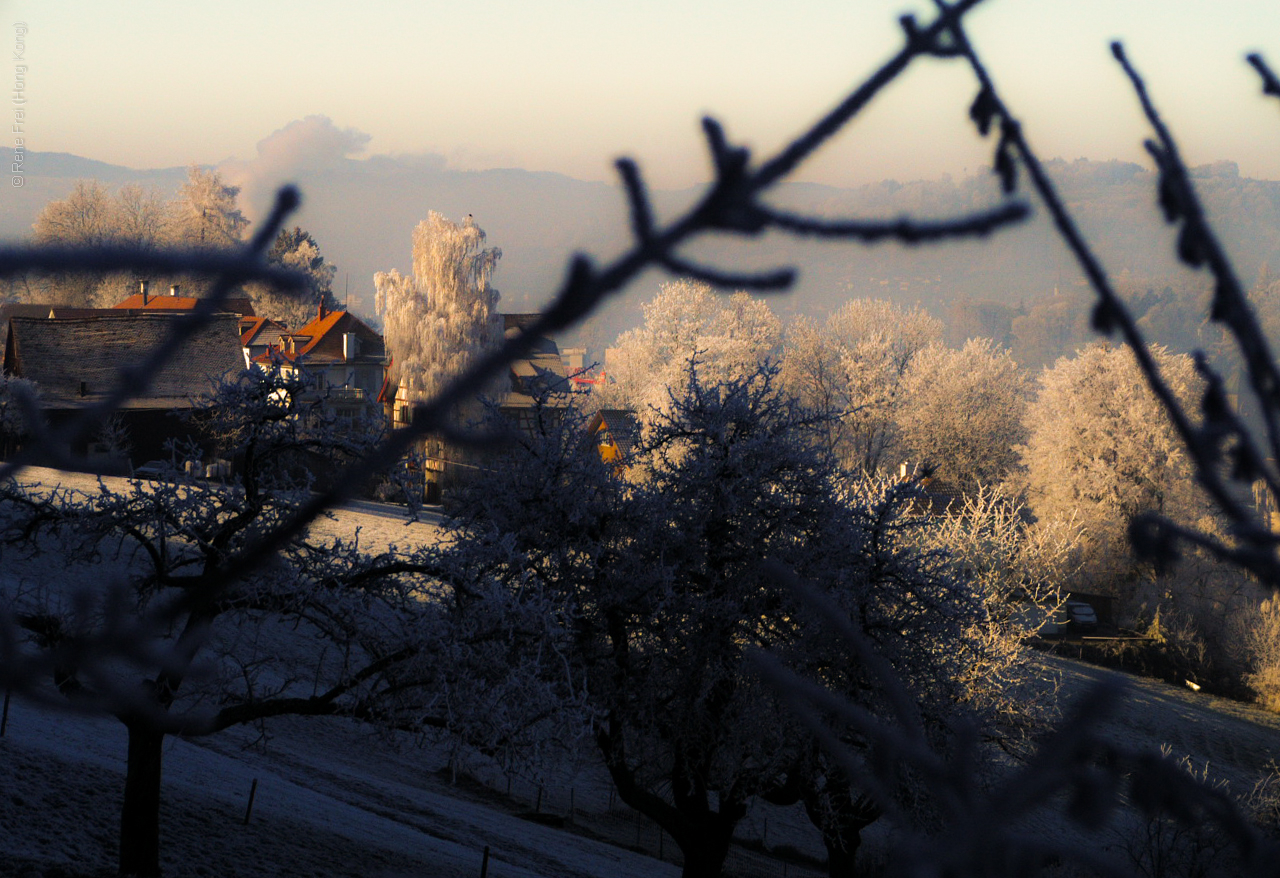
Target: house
{"type": "Point", "coordinates": [536, 383]}
{"type": "Point", "coordinates": [615, 434]}
{"type": "Point", "coordinates": [537, 380]}
{"type": "Point", "coordinates": [77, 361]}
{"type": "Point", "coordinates": [532, 397]}
{"type": "Point", "coordinates": [343, 356]}
{"type": "Point", "coordinates": [934, 497]}
{"type": "Point", "coordinates": [258, 335]}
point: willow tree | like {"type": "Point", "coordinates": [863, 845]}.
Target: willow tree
{"type": "Point", "coordinates": [436, 321]}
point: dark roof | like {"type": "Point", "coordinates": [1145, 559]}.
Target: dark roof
{"type": "Point", "coordinates": [938, 497]}
{"type": "Point", "coordinates": [620, 425]}
{"type": "Point", "coordinates": [24, 309]}
{"type": "Point", "coordinates": [540, 374]}
{"type": "Point", "coordinates": [18, 309]}
{"type": "Point", "coordinates": [261, 331]}
{"type": "Point", "coordinates": [76, 361]}
{"type": "Point", "coordinates": [60, 312]}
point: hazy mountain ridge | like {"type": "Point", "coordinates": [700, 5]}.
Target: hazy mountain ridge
{"type": "Point", "coordinates": [363, 213]}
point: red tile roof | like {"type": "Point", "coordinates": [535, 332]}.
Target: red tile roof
{"type": "Point", "coordinates": [239, 305]}
{"type": "Point", "coordinates": [322, 337]}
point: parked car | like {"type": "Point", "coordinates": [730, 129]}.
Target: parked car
{"type": "Point", "coordinates": [1076, 617]}
{"type": "Point", "coordinates": [154, 470]}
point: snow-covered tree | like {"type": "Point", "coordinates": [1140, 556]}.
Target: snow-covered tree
{"type": "Point", "coordinates": [854, 366]}
{"type": "Point", "coordinates": [962, 412]}
{"type": "Point", "coordinates": [437, 320]}
{"type": "Point", "coordinates": [142, 217]}
{"type": "Point", "coordinates": [85, 218]}
{"type": "Point", "coordinates": [668, 581]}
{"type": "Point", "coordinates": [731, 337]}
{"type": "Point", "coordinates": [1021, 569]}
{"type": "Point", "coordinates": [297, 250]}
{"type": "Point", "coordinates": [1101, 448]}
{"type": "Point", "coordinates": [205, 213]}
{"type": "Point", "coordinates": [18, 397]}
{"type": "Point", "coordinates": [200, 640]}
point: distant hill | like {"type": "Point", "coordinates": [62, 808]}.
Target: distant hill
{"type": "Point", "coordinates": [363, 214]}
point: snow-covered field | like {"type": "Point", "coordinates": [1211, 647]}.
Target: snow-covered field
{"type": "Point", "coordinates": [335, 798]}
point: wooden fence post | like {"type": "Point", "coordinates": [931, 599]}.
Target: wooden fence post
{"type": "Point", "coordinates": [253, 791]}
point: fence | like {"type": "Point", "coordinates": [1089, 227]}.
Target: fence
{"type": "Point", "coordinates": [770, 842]}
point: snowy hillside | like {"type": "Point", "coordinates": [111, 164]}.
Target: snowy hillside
{"type": "Point", "coordinates": [336, 798]}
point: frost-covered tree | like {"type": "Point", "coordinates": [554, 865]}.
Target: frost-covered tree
{"type": "Point", "coordinates": [85, 218]}
{"type": "Point", "coordinates": [297, 250]}
{"type": "Point", "coordinates": [731, 337]}
{"type": "Point", "coordinates": [854, 366]}
{"type": "Point", "coordinates": [19, 398]}
{"type": "Point", "coordinates": [205, 213]}
{"type": "Point", "coordinates": [437, 320]}
{"type": "Point", "coordinates": [962, 412]}
{"type": "Point", "coordinates": [666, 582]}
{"type": "Point", "coordinates": [142, 216]}
{"type": "Point", "coordinates": [1101, 448]}
{"type": "Point", "coordinates": [1021, 569]}
{"type": "Point", "coordinates": [203, 642]}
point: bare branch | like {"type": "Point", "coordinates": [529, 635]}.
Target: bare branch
{"type": "Point", "coordinates": [1270, 83]}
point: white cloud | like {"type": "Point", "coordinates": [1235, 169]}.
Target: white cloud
{"type": "Point", "coordinates": [302, 148]}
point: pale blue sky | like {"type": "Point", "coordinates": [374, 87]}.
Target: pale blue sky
{"type": "Point", "coordinates": [567, 85]}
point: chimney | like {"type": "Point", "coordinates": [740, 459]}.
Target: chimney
{"type": "Point", "coordinates": [142, 288]}
{"type": "Point", "coordinates": [173, 290]}
{"type": "Point", "coordinates": [321, 309]}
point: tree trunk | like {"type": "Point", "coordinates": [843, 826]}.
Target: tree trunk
{"type": "Point", "coordinates": [840, 815]}
{"type": "Point", "coordinates": [705, 853]}
{"type": "Point", "coordinates": [842, 856]}
{"type": "Point", "coordinates": [140, 815]}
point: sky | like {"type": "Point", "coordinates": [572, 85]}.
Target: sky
{"type": "Point", "coordinates": [569, 85]}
